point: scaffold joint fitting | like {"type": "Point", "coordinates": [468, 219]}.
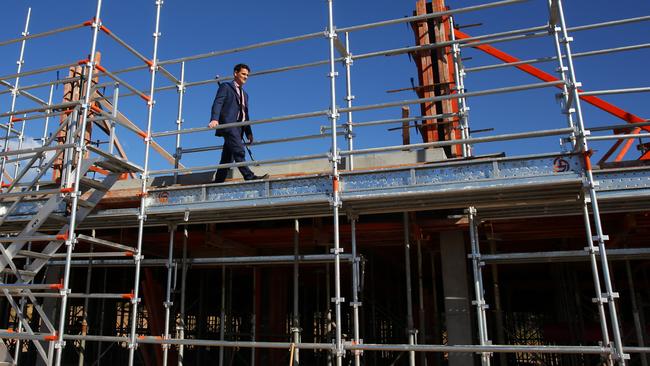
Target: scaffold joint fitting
{"type": "Point", "coordinates": [598, 238]}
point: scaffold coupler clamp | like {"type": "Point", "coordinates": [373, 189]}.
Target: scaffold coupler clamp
{"type": "Point", "coordinates": [616, 355]}
{"type": "Point", "coordinates": [334, 158]}
{"type": "Point", "coordinates": [354, 352]}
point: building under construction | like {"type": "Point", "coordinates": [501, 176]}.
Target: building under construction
{"type": "Point", "coordinates": [421, 252]}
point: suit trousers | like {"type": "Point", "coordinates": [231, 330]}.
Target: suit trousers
{"type": "Point", "coordinates": [233, 149]}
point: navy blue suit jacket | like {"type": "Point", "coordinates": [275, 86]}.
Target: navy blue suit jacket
{"type": "Point", "coordinates": [225, 109]}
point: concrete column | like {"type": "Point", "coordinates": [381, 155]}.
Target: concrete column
{"type": "Point", "coordinates": [457, 301]}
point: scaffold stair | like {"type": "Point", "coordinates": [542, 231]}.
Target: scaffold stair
{"type": "Point", "coordinates": [53, 216]}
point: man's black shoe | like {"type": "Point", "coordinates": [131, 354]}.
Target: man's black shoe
{"type": "Point", "coordinates": [256, 177]}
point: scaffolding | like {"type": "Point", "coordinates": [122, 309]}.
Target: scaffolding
{"type": "Point", "coordinates": [41, 219]}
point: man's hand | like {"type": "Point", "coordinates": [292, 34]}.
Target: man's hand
{"type": "Point", "coordinates": [214, 123]}
{"type": "Point", "coordinates": [249, 136]}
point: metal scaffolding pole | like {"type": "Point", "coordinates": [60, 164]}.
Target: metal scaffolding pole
{"type": "Point", "coordinates": [459, 80]}
{"type": "Point", "coordinates": [479, 291]}
{"type": "Point", "coordinates": [80, 148]}
{"type": "Point", "coordinates": [14, 92]}
{"type": "Point", "coordinates": [295, 326]}
{"type": "Point", "coordinates": [557, 18]}
{"type": "Point", "coordinates": [336, 201]}
{"type": "Point", "coordinates": [355, 289]}
{"type": "Point", "coordinates": [179, 121]}
{"type": "Point", "coordinates": [349, 98]}
{"type": "Point", "coordinates": [562, 70]}
{"type": "Point", "coordinates": [44, 138]}
{"type": "Point", "coordinates": [222, 317]}
{"type": "Point", "coordinates": [145, 173]}
{"type": "Point", "coordinates": [638, 327]}
{"type": "Point", "coordinates": [421, 310]}
{"type": "Point", "coordinates": [84, 321]}
{"type": "Point", "coordinates": [409, 298]}
{"type": "Point", "coordinates": [168, 293]}
{"type": "Point", "coordinates": [181, 326]}
{"type": "Point", "coordinates": [253, 316]}
{"type": "Point", "coordinates": [21, 139]}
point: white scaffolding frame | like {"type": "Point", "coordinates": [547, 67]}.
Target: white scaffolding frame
{"type": "Point", "coordinates": [72, 181]}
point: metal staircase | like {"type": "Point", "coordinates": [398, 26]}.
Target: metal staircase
{"type": "Point", "coordinates": [23, 255]}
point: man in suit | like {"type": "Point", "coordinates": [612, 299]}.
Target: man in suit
{"type": "Point", "coordinates": [230, 106]}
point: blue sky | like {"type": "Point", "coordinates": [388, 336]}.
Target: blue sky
{"type": "Point", "coordinates": [194, 27]}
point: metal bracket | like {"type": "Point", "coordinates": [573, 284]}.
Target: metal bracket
{"type": "Point", "coordinates": [599, 300]}
{"type": "Point", "coordinates": [598, 239]}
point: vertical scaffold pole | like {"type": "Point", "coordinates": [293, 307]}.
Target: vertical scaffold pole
{"type": "Point", "coordinates": [569, 111]}
{"type": "Point", "coordinates": [254, 316]}
{"type": "Point", "coordinates": [409, 300]}
{"type": "Point", "coordinates": [421, 310]}
{"type": "Point", "coordinates": [21, 140]}
{"type": "Point", "coordinates": [590, 190]}
{"type": "Point", "coordinates": [181, 327]}
{"type": "Point", "coordinates": [222, 318]}
{"type": "Point", "coordinates": [562, 69]}
{"type": "Point", "coordinates": [111, 138]}
{"type": "Point", "coordinates": [336, 201]}
{"type": "Point", "coordinates": [459, 81]}
{"type": "Point", "coordinates": [23, 302]}
{"type": "Point", "coordinates": [479, 291]}
{"type": "Point", "coordinates": [295, 326]}
{"type": "Point", "coordinates": [168, 295]}
{"type": "Point", "coordinates": [349, 98]}
{"type": "Point", "coordinates": [179, 121]}
{"type": "Point", "coordinates": [638, 326]}
{"type": "Point", "coordinates": [143, 195]}
{"type": "Point", "coordinates": [15, 92]}
{"type": "Point", "coordinates": [80, 148]}
{"type": "Point", "coordinates": [84, 321]}
{"type": "Point", "coordinates": [355, 289]}
{"type": "Point", "coordinates": [44, 136]}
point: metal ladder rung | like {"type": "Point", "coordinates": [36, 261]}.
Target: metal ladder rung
{"type": "Point", "coordinates": [95, 255]}
{"type": "Point", "coordinates": [22, 272]}
{"type": "Point", "coordinates": [30, 286]}
{"type": "Point", "coordinates": [27, 238]}
{"type": "Point", "coordinates": [128, 296]}
{"type": "Point", "coordinates": [59, 218]}
{"type": "Point", "coordinates": [32, 254]}
{"type": "Point", "coordinates": [91, 183]}
{"type": "Point", "coordinates": [113, 163]}
{"type": "Point", "coordinates": [81, 202]}
{"type": "Point", "coordinates": [29, 193]}
{"type": "Point", "coordinates": [107, 243]}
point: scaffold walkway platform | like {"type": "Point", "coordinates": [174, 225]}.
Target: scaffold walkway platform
{"type": "Point", "coordinates": [502, 187]}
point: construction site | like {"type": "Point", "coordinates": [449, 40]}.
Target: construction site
{"type": "Point", "coordinates": [418, 247]}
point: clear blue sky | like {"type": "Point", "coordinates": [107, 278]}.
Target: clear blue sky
{"type": "Point", "coordinates": [193, 27]}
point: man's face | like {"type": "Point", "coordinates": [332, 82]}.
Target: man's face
{"type": "Point", "coordinates": [241, 76]}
